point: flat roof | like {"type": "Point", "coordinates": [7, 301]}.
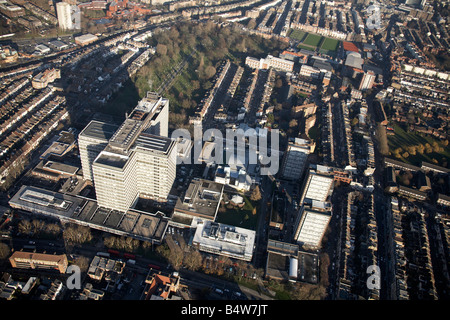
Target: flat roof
{"type": "Point", "coordinates": [111, 159]}
{"type": "Point", "coordinates": [60, 167]}
{"type": "Point", "coordinates": [99, 130]}
{"type": "Point", "coordinates": [154, 142]}
{"type": "Point", "coordinates": [138, 224]}
{"type": "Point", "coordinates": [201, 198]}
{"type": "Point", "coordinates": [126, 133]}
{"type": "Point", "coordinates": [223, 239]}
{"type": "Point", "coordinates": [318, 187]}
{"type": "Point", "coordinates": [434, 167]}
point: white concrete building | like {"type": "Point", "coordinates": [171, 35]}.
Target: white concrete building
{"type": "Point", "coordinates": [135, 159]}
{"type": "Point", "coordinates": [91, 141]}
{"type": "Point", "coordinates": [64, 15]}
{"type": "Point", "coordinates": [222, 239]}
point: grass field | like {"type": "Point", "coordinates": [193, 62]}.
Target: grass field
{"type": "Point", "coordinates": [297, 34]}
{"type": "Point", "coordinates": [312, 40]}
{"type": "Point", "coordinates": [238, 217]}
{"type": "Point", "coordinates": [403, 139]}
{"type": "Point", "coordinates": [330, 44]}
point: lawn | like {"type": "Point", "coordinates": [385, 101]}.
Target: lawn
{"type": "Point", "coordinates": [330, 44]}
{"type": "Point", "coordinates": [240, 217]}
{"type": "Point", "coordinates": [302, 46]}
{"type": "Point", "coordinates": [297, 35]}
{"type": "Point", "coordinates": [403, 139]}
{"type": "Point", "coordinates": [312, 40]}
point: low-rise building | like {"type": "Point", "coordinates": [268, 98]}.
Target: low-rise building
{"type": "Point", "coordinates": [412, 193]}
{"type": "Point", "coordinates": [308, 71]}
{"type": "Point", "coordinates": [32, 260]}
{"type": "Point", "coordinates": [85, 39]}
{"type": "Point", "coordinates": [270, 62]}
{"type": "Point", "coordinates": [41, 80]}
{"type": "Point", "coordinates": [201, 199]}
{"type": "Point", "coordinates": [222, 239]}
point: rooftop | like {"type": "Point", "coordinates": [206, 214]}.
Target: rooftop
{"type": "Point", "coordinates": [154, 142]}
{"type": "Point", "coordinates": [138, 224]}
{"type": "Point", "coordinates": [99, 130]}
{"type": "Point", "coordinates": [223, 239]}
{"type": "Point", "coordinates": [202, 198]}
{"type": "Point", "coordinates": [111, 159]}
{"type": "Point", "coordinates": [126, 134]}
{"type": "Point", "coordinates": [318, 187]}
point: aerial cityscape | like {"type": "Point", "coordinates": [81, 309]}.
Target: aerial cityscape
{"type": "Point", "coordinates": [225, 150]}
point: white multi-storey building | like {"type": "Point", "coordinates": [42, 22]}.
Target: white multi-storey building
{"type": "Point", "coordinates": [91, 141]}
{"type": "Point", "coordinates": [134, 160]}
{"type": "Point", "coordinates": [148, 170]}
{"type": "Point", "coordinates": [63, 12]}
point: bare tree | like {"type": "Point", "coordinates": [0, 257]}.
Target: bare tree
{"type": "Point", "coordinates": [25, 227]}
{"type": "Point", "coordinates": [193, 259]}
{"type": "Point", "coordinates": [256, 194]}
{"type": "Point", "coordinates": [4, 250]}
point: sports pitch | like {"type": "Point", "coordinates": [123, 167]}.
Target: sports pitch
{"type": "Point", "coordinates": [313, 42]}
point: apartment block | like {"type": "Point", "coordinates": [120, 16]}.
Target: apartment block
{"type": "Point", "coordinates": [91, 141]}
{"type": "Point", "coordinates": [367, 80]}
{"type": "Point", "coordinates": [148, 170]}
{"type": "Point", "coordinates": [309, 71]}
{"type": "Point", "coordinates": [63, 12]}
{"type": "Point", "coordinates": [270, 62]}
{"type": "Point", "coordinates": [135, 158]}
{"type": "Point", "coordinates": [41, 80]}
{"type": "Point", "coordinates": [31, 260]}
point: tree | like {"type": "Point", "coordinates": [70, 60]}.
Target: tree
{"type": "Point", "coordinates": [256, 194]}
{"type": "Point", "coordinates": [161, 49]}
{"type": "Point", "coordinates": [38, 226]}
{"type": "Point", "coordinates": [83, 263]}
{"type": "Point", "coordinates": [420, 148]}
{"type": "Point", "coordinates": [251, 24]}
{"type": "Point", "coordinates": [278, 83]}
{"type": "Point", "coordinates": [4, 250]}
{"type": "Point", "coordinates": [109, 242]}
{"type": "Point", "coordinates": [210, 71]}
{"type": "Point", "coordinates": [193, 260]}
{"type": "Point", "coordinates": [53, 229]}
{"type": "Point", "coordinates": [25, 227]}
{"type": "Point", "coordinates": [77, 234]}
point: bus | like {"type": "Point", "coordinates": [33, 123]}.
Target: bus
{"type": "Point", "coordinates": [129, 256]}
{"type": "Point", "coordinates": [153, 266]}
